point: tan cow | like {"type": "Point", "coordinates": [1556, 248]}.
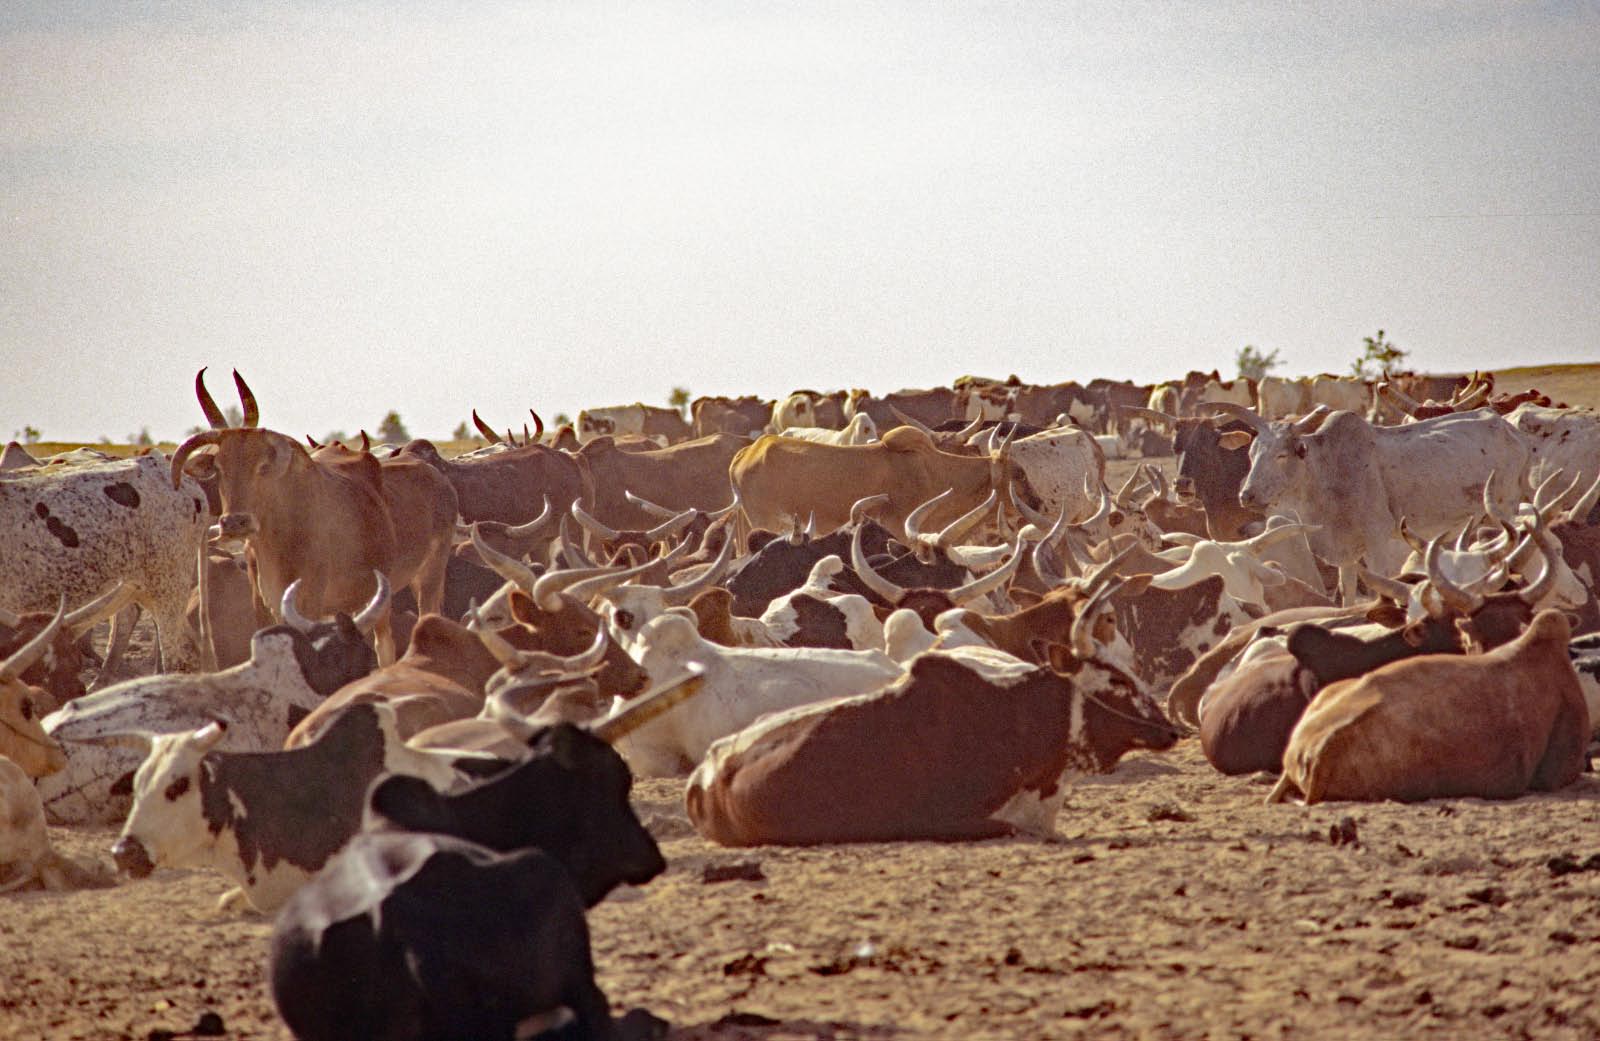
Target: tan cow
{"type": "Point", "coordinates": [1491, 726]}
{"type": "Point", "coordinates": [22, 739]}
{"type": "Point", "coordinates": [326, 525]}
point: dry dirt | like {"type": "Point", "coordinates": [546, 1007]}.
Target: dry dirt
{"type": "Point", "coordinates": [1172, 905]}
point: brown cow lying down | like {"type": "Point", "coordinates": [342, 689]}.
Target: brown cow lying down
{"type": "Point", "coordinates": [1492, 725]}
{"type": "Point", "coordinates": [957, 749]}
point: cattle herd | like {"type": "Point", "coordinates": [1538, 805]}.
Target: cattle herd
{"type": "Point", "coordinates": [399, 699]}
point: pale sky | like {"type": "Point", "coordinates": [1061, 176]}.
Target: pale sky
{"type": "Point", "coordinates": [435, 206]}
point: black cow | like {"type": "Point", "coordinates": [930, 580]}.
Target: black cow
{"type": "Point", "coordinates": [472, 919]}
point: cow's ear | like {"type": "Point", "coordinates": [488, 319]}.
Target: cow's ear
{"type": "Point", "coordinates": [1133, 587]}
{"type": "Point", "coordinates": [123, 785]}
{"type": "Point", "coordinates": [1235, 439]}
{"type": "Point", "coordinates": [1412, 635]}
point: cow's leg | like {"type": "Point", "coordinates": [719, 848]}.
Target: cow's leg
{"type": "Point", "coordinates": [1349, 591]}
{"type": "Point", "coordinates": [428, 586]}
{"type": "Point", "coordinates": [117, 641]}
{"type": "Point", "coordinates": [383, 635]}
{"type": "Point", "coordinates": [1280, 791]}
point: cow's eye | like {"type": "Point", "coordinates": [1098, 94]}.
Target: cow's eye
{"type": "Point", "coordinates": [26, 708]}
{"type": "Point", "coordinates": [1299, 451]}
{"type": "Point", "coordinates": [624, 619]}
{"type": "Point", "coordinates": [176, 789]}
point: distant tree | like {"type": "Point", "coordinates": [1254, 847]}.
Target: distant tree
{"type": "Point", "coordinates": [1378, 358]}
{"type": "Point", "coordinates": [562, 419]}
{"type": "Point", "coordinates": [335, 435]}
{"type": "Point", "coordinates": [234, 417]}
{"type": "Point", "coordinates": [142, 438]}
{"type": "Point", "coordinates": [679, 399]}
{"type": "Point", "coordinates": [28, 435]}
{"type": "Point", "coordinates": [392, 431]}
{"type": "Point", "coordinates": [462, 432]}
{"type": "Point", "coordinates": [1253, 364]}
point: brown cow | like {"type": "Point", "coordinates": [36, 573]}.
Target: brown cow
{"type": "Point", "coordinates": [962, 747]}
{"type": "Point", "coordinates": [327, 526]}
{"type": "Point", "coordinates": [1490, 726]}
{"type": "Point", "coordinates": [22, 739]}
{"type": "Point", "coordinates": [690, 475]}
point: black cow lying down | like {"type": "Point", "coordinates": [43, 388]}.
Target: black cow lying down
{"type": "Point", "coordinates": [465, 929]}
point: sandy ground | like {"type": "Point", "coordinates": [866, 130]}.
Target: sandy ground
{"type": "Point", "coordinates": [1172, 905]}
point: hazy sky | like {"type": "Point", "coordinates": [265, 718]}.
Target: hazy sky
{"type": "Point", "coordinates": [432, 206]}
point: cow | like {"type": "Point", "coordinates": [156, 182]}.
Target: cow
{"type": "Point", "coordinates": [929, 603]}
{"type": "Point", "coordinates": [511, 486]}
{"type": "Point", "coordinates": [78, 529]}
{"type": "Point", "coordinates": [267, 820]}
{"type": "Point", "coordinates": [422, 505]}
{"type": "Point", "coordinates": [666, 426]}
{"type": "Point", "coordinates": [56, 672]}
{"type": "Point", "coordinates": [326, 525]}
{"type": "Point", "coordinates": [1491, 726]}
{"type": "Point", "coordinates": [779, 480]}
{"type": "Point", "coordinates": [964, 746]}
{"type": "Point", "coordinates": [289, 674]}
{"type": "Point", "coordinates": [746, 416]}
{"type": "Point", "coordinates": [462, 915]}
{"type": "Point", "coordinates": [26, 856]}
{"type": "Point", "coordinates": [1199, 388]}
{"type": "Point", "coordinates": [861, 430]}
{"type": "Point", "coordinates": [440, 677]}
{"type": "Point", "coordinates": [1563, 439]}
{"type": "Point", "coordinates": [1355, 482]}
{"type": "Point", "coordinates": [690, 475]}
{"type": "Point", "coordinates": [930, 407]}
{"type": "Point", "coordinates": [1339, 393]}
{"type": "Point", "coordinates": [1279, 397]}
{"type": "Point", "coordinates": [1212, 465]}
{"type": "Point", "coordinates": [740, 684]}
{"type": "Point", "coordinates": [23, 740]}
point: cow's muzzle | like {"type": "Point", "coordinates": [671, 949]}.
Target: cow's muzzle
{"type": "Point", "coordinates": [1184, 487]}
{"type": "Point", "coordinates": [132, 858]}
{"type": "Point", "coordinates": [237, 525]}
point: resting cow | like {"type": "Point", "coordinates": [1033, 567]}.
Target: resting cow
{"type": "Point", "coordinates": [963, 747]}
{"type": "Point", "coordinates": [1493, 726]}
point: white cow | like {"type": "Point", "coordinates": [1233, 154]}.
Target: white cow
{"type": "Point", "coordinates": [740, 685]}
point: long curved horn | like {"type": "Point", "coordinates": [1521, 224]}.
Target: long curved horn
{"type": "Point", "coordinates": [588, 660]}
{"type": "Point", "coordinates": [1237, 411]}
{"type": "Point", "coordinates": [531, 528]}
{"type": "Point", "coordinates": [870, 578]}
{"type": "Point", "coordinates": [1540, 587]}
{"type": "Point", "coordinates": [1103, 572]}
{"type": "Point", "coordinates": [960, 436]}
{"type": "Point", "coordinates": [181, 456]}
{"type": "Point", "coordinates": [1411, 539]}
{"type": "Point", "coordinates": [1488, 502]}
{"type": "Point", "coordinates": [1082, 632]}
{"type": "Point", "coordinates": [1123, 497]}
{"type": "Point", "coordinates": [859, 508]}
{"type": "Point", "coordinates": [993, 580]}
{"type": "Point", "coordinates": [669, 528]}
{"type": "Point", "coordinates": [906, 420]}
{"type": "Point", "coordinates": [966, 522]}
{"type": "Point", "coordinates": [717, 515]}
{"type": "Point", "coordinates": [252, 411]}
{"type": "Point", "coordinates": [497, 645]}
{"type": "Point", "coordinates": [538, 425]}
{"type": "Point", "coordinates": [507, 567]}
{"type": "Point", "coordinates": [1585, 504]}
{"type": "Point", "coordinates": [1104, 509]}
{"type": "Point", "coordinates": [1454, 597]}
{"type": "Point", "coordinates": [485, 429]}
{"type": "Point", "coordinates": [90, 614]}
{"type": "Point", "coordinates": [572, 545]}
{"type": "Point", "coordinates": [652, 703]}
{"type": "Point", "coordinates": [594, 527]}
{"type": "Point", "coordinates": [587, 589]}
{"type": "Point", "coordinates": [1150, 414]}
{"type": "Point", "coordinates": [1399, 398]}
{"type": "Point", "coordinates": [368, 618]}
{"type": "Point", "coordinates": [1547, 508]}
{"type": "Point", "coordinates": [546, 589]}
{"type": "Point", "coordinates": [655, 510]}
{"type": "Point", "coordinates": [1474, 397]}
{"type": "Point", "coordinates": [1029, 514]}
{"type": "Point", "coordinates": [289, 608]}
{"type": "Point", "coordinates": [22, 659]}
{"type": "Point", "coordinates": [682, 594]}
{"type": "Point", "coordinates": [1393, 588]}
{"type": "Point", "coordinates": [914, 519]}
{"type": "Point", "coordinates": [208, 404]}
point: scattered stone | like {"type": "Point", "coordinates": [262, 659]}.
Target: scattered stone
{"type": "Point", "coordinates": [734, 871]}
{"type": "Point", "coordinates": [1166, 811]}
{"type": "Point", "coordinates": [1563, 936]}
{"type": "Point", "coordinates": [1494, 896]}
{"type": "Point", "coordinates": [745, 1019]}
{"type": "Point", "coordinates": [1467, 942]}
{"type": "Point", "coordinates": [1013, 956]}
{"type": "Point", "coordinates": [746, 965]}
{"type": "Point", "coordinates": [1344, 832]}
{"type": "Point", "coordinates": [1402, 900]}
